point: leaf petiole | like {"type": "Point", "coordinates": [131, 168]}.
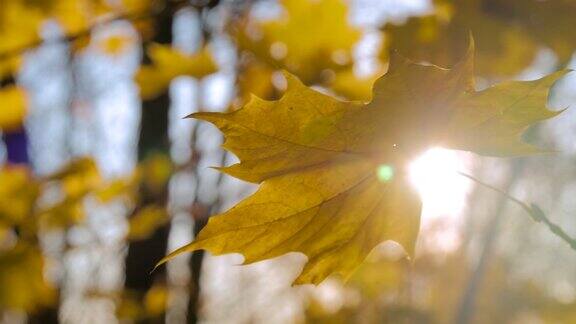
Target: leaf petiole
{"type": "Point", "coordinates": [533, 210]}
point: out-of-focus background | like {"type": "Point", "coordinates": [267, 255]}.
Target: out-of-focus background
{"type": "Point", "coordinates": [101, 174]}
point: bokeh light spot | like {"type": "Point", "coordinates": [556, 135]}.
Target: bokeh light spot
{"type": "Point", "coordinates": [385, 172]}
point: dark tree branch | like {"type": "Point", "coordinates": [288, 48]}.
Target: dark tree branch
{"type": "Point", "coordinates": [153, 138]}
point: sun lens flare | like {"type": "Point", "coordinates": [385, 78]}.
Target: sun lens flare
{"type": "Point", "coordinates": [385, 172]}
{"type": "Point", "coordinates": [443, 192]}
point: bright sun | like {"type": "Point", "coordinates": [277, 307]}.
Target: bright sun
{"type": "Point", "coordinates": [443, 192]}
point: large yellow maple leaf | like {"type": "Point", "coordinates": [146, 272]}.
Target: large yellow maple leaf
{"type": "Point", "coordinates": [332, 174]}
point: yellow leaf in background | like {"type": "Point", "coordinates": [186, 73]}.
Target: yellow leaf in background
{"type": "Point", "coordinates": [312, 32]}
{"type": "Point", "coordinates": [155, 172]}
{"type": "Point", "coordinates": [19, 24]}
{"type": "Point", "coordinates": [506, 50]}
{"type": "Point", "coordinates": [80, 43]}
{"type": "Point", "coordinates": [77, 16]}
{"type": "Point", "coordinates": [150, 177]}
{"type": "Point", "coordinates": [62, 215]}
{"type": "Point", "coordinates": [22, 280]}
{"type": "Point", "coordinates": [71, 14]}
{"type": "Point", "coordinates": [145, 222]}
{"type": "Point", "coordinates": [4, 232]}
{"type": "Point", "coordinates": [151, 82]}
{"type": "Point", "coordinates": [18, 193]}
{"type": "Point", "coordinates": [550, 23]}
{"type": "Point", "coordinates": [169, 63]}
{"type": "Point", "coordinates": [13, 108]}
{"type": "Point", "coordinates": [132, 308]}
{"type": "Point", "coordinates": [115, 45]}
{"type": "Point", "coordinates": [79, 177]}
{"type": "Point", "coordinates": [128, 308]}
{"type": "Point", "coordinates": [9, 66]}
{"type": "Point", "coordinates": [310, 36]}
{"type": "Point", "coordinates": [255, 78]}
{"type": "Point", "coordinates": [382, 275]}
{"type": "Point", "coordinates": [137, 5]}
{"type": "Point", "coordinates": [311, 39]}
{"type": "Point", "coordinates": [332, 174]}
{"type": "Point", "coordinates": [346, 83]}
{"type": "Point", "coordinates": [156, 299]}
{"type": "Point", "coordinates": [118, 188]}
{"type": "Point", "coordinates": [366, 293]}
{"type": "Point", "coordinates": [510, 33]}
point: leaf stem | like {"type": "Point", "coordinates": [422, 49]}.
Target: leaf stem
{"type": "Point", "coordinates": [533, 211]}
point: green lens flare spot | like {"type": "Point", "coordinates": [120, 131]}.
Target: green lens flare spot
{"type": "Point", "coordinates": [385, 172]}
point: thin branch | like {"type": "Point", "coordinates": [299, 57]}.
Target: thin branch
{"type": "Point", "coordinates": [533, 211]}
{"type": "Point", "coordinates": [498, 190]}
{"type": "Point", "coordinates": [465, 311]}
{"type": "Point", "coordinates": [539, 216]}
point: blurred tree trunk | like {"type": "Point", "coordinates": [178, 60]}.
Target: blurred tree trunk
{"type": "Point", "coordinates": [196, 261]}
{"type": "Point", "coordinates": [200, 211]}
{"type": "Point", "coordinates": [153, 138]}
{"type": "Point", "coordinates": [465, 311]}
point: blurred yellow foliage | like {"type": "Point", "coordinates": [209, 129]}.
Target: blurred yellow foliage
{"type": "Point", "coordinates": [78, 180]}
{"type": "Point", "coordinates": [152, 306]}
{"type": "Point", "coordinates": [155, 171]}
{"type": "Point", "coordinates": [22, 282]}
{"type": "Point", "coordinates": [124, 188]}
{"type": "Point", "coordinates": [169, 63]}
{"type": "Point", "coordinates": [315, 157]}
{"type": "Point", "coordinates": [115, 44]}
{"type": "Point", "coordinates": [349, 85]}
{"type": "Point", "coordinates": [145, 221]}
{"type": "Point", "coordinates": [156, 299]}
{"type": "Point", "coordinates": [310, 36]}
{"type": "Point", "coordinates": [128, 308]}
{"type": "Point", "coordinates": [76, 16]}
{"type": "Point", "coordinates": [79, 177]}
{"type": "Point", "coordinates": [19, 24]}
{"type": "Point", "coordinates": [311, 39]}
{"type": "Point", "coordinates": [384, 290]}
{"type": "Point", "coordinates": [150, 177]}
{"type": "Point", "coordinates": [13, 109]}
{"type": "Point", "coordinates": [18, 194]}
{"type": "Point", "coordinates": [509, 33]}
{"type": "Point", "coordinates": [137, 5]}
{"type": "Point", "coordinates": [255, 78]}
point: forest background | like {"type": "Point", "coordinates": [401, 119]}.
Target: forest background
{"type": "Point", "coordinates": [102, 175]}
